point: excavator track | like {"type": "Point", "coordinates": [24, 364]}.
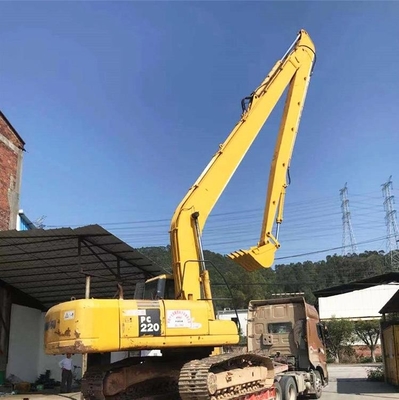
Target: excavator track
{"type": "Point", "coordinates": [199, 378]}
{"type": "Point", "coordinates": [98, 380]}
{"type": "Point", "coordinates": [226, 376]}
{"type": "Point", "coordinates": [153, 389]}
{"type": "Point", "coordinates": [92, 384]}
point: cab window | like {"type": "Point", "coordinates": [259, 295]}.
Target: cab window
{"type": "Point", "coordinates": [279, 327]}
{"type": "Point", "coordinates": [151, 290]}
{"type": "Point", "coordinates": [169, 289]}
{"type": "Point", "coordinates": [320, 332]}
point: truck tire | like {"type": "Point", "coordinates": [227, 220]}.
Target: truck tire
{"type": "Point", "coordinates": [279, 392]}
{"type": "Point", "coordinates": [288, 387]}
{"type": "Point", "coordinates": [319, 386]}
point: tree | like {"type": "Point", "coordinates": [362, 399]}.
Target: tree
{"type": "Point", "coordinates": [340, 337]}
{"type": "Point", "coordinates": [304, 277]}
{"type": "Point", "coordinates": [368, 332]}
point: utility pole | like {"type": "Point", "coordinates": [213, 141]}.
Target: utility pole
{"type": "Point", "coordinates": [348, 238]}
{"type": "Point", "coordinates": [392, 242]}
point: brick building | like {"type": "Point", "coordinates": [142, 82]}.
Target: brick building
{"type": "Point", "coordinates": [11, 154]}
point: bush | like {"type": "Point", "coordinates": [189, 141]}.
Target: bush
{"type": "Point", "coordinates": [368, 359]}
{"type": "Point", "coordinates": [365, 360]}
{"type": "Point", "coordinates": [375, 374]}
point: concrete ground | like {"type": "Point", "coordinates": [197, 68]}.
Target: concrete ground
{"type": "Point", "coordinates": [347, 382]}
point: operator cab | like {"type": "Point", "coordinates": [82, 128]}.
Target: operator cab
{"type": "Point", "coordinates": [160, 287]}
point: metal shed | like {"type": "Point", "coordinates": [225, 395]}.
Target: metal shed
{"type": "Point", "coordinates": [376, 280]}
{"type": "Point", "coordinates": [390, 339]}
{"type": "Point", "coordinates": [50, 266]}
{"type": "Point", "coordinates": [40, 268]}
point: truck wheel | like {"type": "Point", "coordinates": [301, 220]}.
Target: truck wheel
{"type": "Point", "coordinates": [279, 392]}
{"type": "Point", "coordinates": [288, 387]}
{"type": "Point", "coordinates": [318, 386]}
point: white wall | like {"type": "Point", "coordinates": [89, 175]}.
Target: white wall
{"type": "Point", "coordinates": [358, 304]}
{"type": "Point", "coordinates": [24, 351]}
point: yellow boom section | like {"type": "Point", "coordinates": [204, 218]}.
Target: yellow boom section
{"type": "Point", "coordinates": [293, 70]}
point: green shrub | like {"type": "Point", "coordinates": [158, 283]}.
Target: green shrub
{"type": "Point", "coordinates": [368, 359]}
{"type": "Point", "coordinates": [365, 360]}
{"type": "Point", "coordinates": [375, 374]}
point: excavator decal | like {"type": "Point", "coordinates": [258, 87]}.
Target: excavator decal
{"type": "Point", "coordinates": [150, 323]}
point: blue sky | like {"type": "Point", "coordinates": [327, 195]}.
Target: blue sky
{"type": "Point", "coordinates": [122, 104]}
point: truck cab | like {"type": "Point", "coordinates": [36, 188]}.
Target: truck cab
{"type": "Point", "coordinates": [289, 330]}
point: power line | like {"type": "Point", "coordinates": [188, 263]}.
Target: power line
{"type": "Point", "coordinates": [327, 250]}
{"type": "Point", "coordinates": [307, 222]}
{"type": "Point", "coordinates": [311, 204]}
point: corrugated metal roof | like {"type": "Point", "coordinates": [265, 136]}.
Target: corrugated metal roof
{"type": "Point", "coordinates": [383, 279]}
{"type": "Point", "coordinates": [51, 265]}
{"type": "Point", "coordinates": [392, 306]}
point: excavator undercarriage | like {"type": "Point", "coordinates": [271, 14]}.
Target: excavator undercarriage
{"type": "Point", "coordinates": [230, 376]}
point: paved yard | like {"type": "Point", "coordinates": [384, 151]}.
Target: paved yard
{"type": "Point", "coordinates": [349, 382]}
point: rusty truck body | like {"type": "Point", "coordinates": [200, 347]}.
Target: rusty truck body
{"type": "Point", "coordinates": [289, 331]}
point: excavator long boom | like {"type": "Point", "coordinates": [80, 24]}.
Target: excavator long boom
{"type": "Point", "coordinates": [293, 70]}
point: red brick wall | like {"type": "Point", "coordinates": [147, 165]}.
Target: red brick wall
{"type": "Point", "coordinates": [364, 351]}
{"type": "Point", "coordinates": [10, 148]}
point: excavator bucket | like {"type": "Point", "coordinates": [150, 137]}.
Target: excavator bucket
{"type": "Point", "coordinates": [255, 258]}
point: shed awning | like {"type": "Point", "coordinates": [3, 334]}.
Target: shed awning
{"type": "Point", "coordinates": [384, 279]}
{"type": "Point", "coordinates": [51, 265]}
{"type": "Point", "coordinates": [392, 306]}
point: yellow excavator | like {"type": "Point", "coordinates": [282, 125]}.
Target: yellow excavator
{"type": "Point", "coordinates": [175, 313]}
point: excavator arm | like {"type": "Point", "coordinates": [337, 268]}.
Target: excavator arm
{"type": "Point", "coordinates": [292, 71]}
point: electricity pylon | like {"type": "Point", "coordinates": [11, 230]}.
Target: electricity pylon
{"type": "Point", "coordinates": [348, 238]}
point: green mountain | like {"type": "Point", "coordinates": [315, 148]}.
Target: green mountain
{"type": "Point", "coordinates": [233, 287]}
